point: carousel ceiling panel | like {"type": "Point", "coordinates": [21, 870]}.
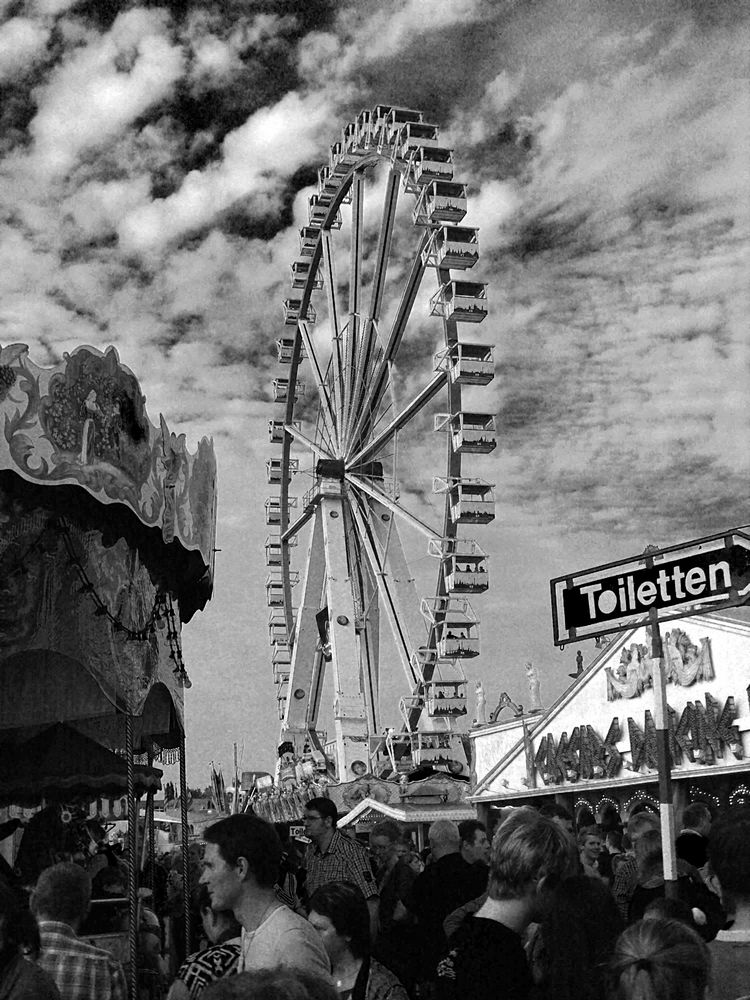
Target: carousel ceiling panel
{"type": "Point", "coordinates": [83, 423]}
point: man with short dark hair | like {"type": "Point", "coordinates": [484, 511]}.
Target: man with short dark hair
{"type": "Point", "coordinates": [729, 858]}
{"type": "Point", "coordinates": [562, 816]}
{"type": "Point", "coordinates": [475, 847]}
{"type": "Point", "coordinates": [332, 857]}
{"type": "Point", "coordinates": [60, 902]}
{"type": "Point", "coordinates": [485, 959]}
{"type": "Point", "coordinates": [692, 841]}
{"type": "Point", "coordinates": [240, 868]}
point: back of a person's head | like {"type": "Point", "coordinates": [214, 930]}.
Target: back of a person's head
{"type": "Point", "coordinates": [387, 828]}
{"type": "Point", "coordinates": [648, 853]}
{"type": "Point", "coordinates": [580, 923]}
{"type": "Point", "coordinates": [667, 908]}
{"type": "Point", "coordinates": [729, 853]}
{"type": "Point", "coordinates": [62, 893]}
{"type": "Point", "coordinates": [271, 984]}
{"type": "Point", "coordinates": [554, 810]}
{"type": "Point", "coordinates": [638, 822]}
{"type": "Point", "coordinates": [249, 837]}
{"type": "Point", "coordinates": [659, 959]}
{"type": "Point", "coordinates": [527, 848]}
{"type": "Point", "coordinates": [443, 835]}
{"type": "Point", "coordinates": [694, 814]}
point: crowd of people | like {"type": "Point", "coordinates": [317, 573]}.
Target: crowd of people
{"type": "Point", "coordinates": [540, 912]}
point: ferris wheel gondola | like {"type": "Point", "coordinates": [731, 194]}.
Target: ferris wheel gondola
{"type": "Point", "coordinates": [357, 313]}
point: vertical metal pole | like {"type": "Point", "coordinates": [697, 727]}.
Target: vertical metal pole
{"type": "Point", "coordinates": [185, 857]}
{"type": "Point", "coordinates": [132, 860]}
{"type": "Point", "coordinates": [664, 760]}
{"type": "Point", "coordinates": [151, 836]}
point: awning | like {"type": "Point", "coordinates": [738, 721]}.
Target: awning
{"type": "Point", "coordinates": [373, 811]}
{"type": "Point", "coordinates": [60, 763]}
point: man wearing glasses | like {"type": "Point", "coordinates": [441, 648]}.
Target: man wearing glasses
{"type": "Point", "coordinates": [333, 857]}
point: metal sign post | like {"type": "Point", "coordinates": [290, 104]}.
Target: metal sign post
{"type": "Point", "coordinates": [664, 761]}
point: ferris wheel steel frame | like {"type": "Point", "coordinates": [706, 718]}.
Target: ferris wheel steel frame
{"type": "Point", "coordinates": [356, 566]}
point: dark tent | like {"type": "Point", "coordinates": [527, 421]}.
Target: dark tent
{"type": "Point", "coordinates": [60, 763]}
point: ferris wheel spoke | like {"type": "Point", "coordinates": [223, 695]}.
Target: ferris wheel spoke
{"type": "Point", "coordinates": [392, 506]}
{"type": "Point", "coordinates": [379, 381]}
{"type": "Point", "coordinates": [327, 408]}
{"type": "Point", "coordinates": [337, 361]}
{"type": "Point", "coordinates": [355, 293]}
{"type": "Point", "coordinates": [404, 641]}
{"type": "Point", "coordinates": [315, 447]}
{"type": "Point", "coordinates": [367, 344]}
{"type": "Point", "coordinates": [421, 399]}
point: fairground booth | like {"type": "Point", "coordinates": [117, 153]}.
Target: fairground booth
{"type": "Point", "coordinates": [595, 749]}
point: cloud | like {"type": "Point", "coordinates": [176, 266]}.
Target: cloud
{"type": "Point", "coordinates": [22, 42]}
{"type": "Point", "coordinates": [102, 87]}
{"type": "Point", "coordinates": [257, 160]}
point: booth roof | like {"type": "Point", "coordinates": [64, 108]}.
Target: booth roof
{"type": "Point", "coordinates": [409, 812]}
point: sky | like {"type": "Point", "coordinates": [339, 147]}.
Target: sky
{"type": "Point", "coordinates": [155, 164]}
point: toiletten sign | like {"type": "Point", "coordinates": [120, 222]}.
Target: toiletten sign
{"type": "Point", "coordinates": [705, 575]}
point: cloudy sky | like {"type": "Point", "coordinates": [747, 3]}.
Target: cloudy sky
{"type": "Point", "coordinates": [155, 161]}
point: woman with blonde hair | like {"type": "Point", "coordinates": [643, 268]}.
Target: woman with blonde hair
{"type": "Point", "coordinates": [660, 959]}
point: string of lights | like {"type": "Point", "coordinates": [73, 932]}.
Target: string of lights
{"type": "Point", "coordinates": [175, 646]}
{"type": "Point", "coordinates": [87, 587]}
{"type": "Point", "coordinates": [162, 614]}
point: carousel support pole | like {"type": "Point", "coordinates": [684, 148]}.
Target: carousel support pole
{"type": "Point", "coordinates": [185, 834]}
{"type": "Point", "coordinates": [132, 860]}
{"type": "Point", "coordinates": [663, 759]}
{"type": "Point", "coordinates": [151, 835]}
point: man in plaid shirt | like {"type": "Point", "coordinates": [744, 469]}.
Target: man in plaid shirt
{"type": "Point", "coordinates": [333, 857]}
{"type": "Point", "coordinates": [82, 972]}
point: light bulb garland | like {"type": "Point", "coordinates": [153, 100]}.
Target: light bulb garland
{"type": "Point", "coordinates": [101, 610]}
{"type": "Point", "coordinates": [162, 613]}
{"type": "Point", "coordinates": [640, 796]}
{"type": "Point", "coordinates": [740, 796]}
{"type": "Point", "coordinates": [697, 794]}
{"type": "Point", "coordinates": [606, 801]}
{"type": "Point", "coordinates": [175, 646]}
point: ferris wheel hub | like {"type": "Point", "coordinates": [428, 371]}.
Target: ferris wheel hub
{"type": "Point", "coordinates": [330, 468]}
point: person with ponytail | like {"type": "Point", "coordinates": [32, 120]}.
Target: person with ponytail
{"type": "Point", "coordinates": [660, 959]}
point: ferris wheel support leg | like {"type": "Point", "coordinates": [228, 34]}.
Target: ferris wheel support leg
{"type": "Point", "coordinates": [350, 716]}
{"type": "Point", "coordinates": [301, 712]}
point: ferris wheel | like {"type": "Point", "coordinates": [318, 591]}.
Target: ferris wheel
{"type": "Point", "coordinates": [371, 354]}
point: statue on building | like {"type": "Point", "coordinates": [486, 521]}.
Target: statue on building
{"type": "Point", "coordinates": [532, 676]}
{"type": "Point", "coordinates": [480, 705]}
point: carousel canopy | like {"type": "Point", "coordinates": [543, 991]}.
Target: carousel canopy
{"type": "Point", "coordinates": [60, 763]}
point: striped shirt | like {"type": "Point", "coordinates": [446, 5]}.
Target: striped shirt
{"type": "Point", "coordinates": [344, 860]}
{"type": "Point", "coordinates": [81, 971]}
